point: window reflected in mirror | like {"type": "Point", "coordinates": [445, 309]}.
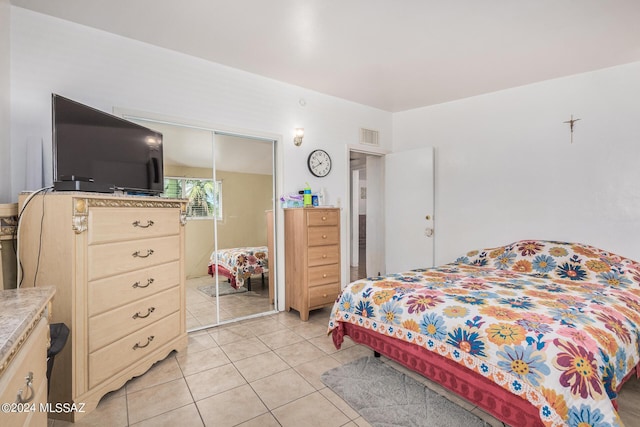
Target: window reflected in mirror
{"type": "Point", "coordinates": [204, 195]}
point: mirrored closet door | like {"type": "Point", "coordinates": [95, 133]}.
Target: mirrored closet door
{"type": "Point", "coordinates": [229, 182]}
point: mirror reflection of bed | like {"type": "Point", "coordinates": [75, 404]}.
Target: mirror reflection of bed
{"type": "Point", "coordinates": [241, 230]}
{"type": "Point", "coordinates": [229, 182]}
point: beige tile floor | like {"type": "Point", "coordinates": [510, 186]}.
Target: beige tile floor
{"type": "Point", "coordinates": [259, 372]}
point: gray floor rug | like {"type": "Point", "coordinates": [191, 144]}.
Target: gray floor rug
{"type": "Point", "coordinates": [224, 289]}
{"type": "Point", "coordinates": [386, 397]}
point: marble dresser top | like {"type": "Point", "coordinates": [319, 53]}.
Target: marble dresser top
{"type": "Point", "coordinates": [19, 309]}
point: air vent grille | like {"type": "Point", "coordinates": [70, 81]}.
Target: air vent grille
{"type": "Point", "coordinates": [369, 137]}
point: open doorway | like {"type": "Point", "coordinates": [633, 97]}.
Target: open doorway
{"type": "Point", "coordinates": [367, 214]}
{"type": "Point", "coordinates": [358, 169]}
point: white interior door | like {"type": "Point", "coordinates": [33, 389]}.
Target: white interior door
{"type": "Point", "coordinates": [409, 206]}
{"type": "Point", "coordinates": [375, 216]}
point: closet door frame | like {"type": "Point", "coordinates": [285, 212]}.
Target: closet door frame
{"type": "Point", "coordinates": [277, 185]}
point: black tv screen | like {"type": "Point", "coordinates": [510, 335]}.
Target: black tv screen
{"type": "Point", "coordinates": [103, 152]}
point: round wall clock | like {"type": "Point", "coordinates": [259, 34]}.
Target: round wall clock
{"type": "Point", "coordinates": [319, 163]}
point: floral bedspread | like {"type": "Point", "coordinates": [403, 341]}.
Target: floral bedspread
{"type": "Point", "coordinates": [555, 323]}
{"type": "Point", "coordinates": [241, 263]}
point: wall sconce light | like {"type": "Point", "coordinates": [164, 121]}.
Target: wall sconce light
{"type": "Point", "coordinates": [298, 135]}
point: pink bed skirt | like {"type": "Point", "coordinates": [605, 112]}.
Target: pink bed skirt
{"type": "Point", "coordinates": [225, 273]}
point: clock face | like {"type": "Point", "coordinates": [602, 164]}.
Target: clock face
{"type": "Point", "coordinates": [319, 163]}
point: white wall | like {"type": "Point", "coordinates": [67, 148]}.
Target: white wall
{"type": "Point", "coordinates": [5, 146]}
{"type": "Point", "coordinates": [105, 71]}
{"type": "Point", "coordinates": [506, 170]}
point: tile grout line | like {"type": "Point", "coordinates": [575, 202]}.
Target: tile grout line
{"type": "Point", "coordinates": [189, 388]}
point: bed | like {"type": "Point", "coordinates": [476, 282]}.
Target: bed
{"type": "Point", "coordinates": [535, 332]}
{"type": "Point", "coordinates": [239, 264]}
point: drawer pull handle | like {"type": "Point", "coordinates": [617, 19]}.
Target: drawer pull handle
{"type": "Point", "coordinates": [324, 256]}
{"type": "Point", "coordinates": [324, 236]}
{"type": "Point", "coordinates": [324, 218]}
{"type": "Point", "coordinates": [29, 384]}
{"type": "Point", "coordinates": [139, 225]}
{"type": "Point", "coordinates": [144, 316]}
{"type": "Point", "coordinates": [149, 339]}
{"type": "Point", "coordinates": [324, 275]}
{"type": "Point", "coordinates": [138, 285]}
{"type": "Point", "coordinates": [136, 254]}
{"type": "Point", "coordinates": [324, 295]}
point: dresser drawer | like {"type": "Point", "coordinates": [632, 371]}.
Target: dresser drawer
{"type": "Point", "coordinates": [115, 291]}
{"type": "Point", "coordinates": [317, 236]}
{"type": "Point", "coordinates": [115, 258]}
{"type": "Point", "coordinates": [114, 224]}
{"type": "Point", "coordinates": [323, 255]}
{"type": "Point", "coordinates": [109, 360]}
{"type": "Point", "coordinates": [322, 217]}
{"type": "Point", "coordinates": [323, 295]}
{"type": "Point", "coordinates": [31, 361]}
{"type": "Point", "coordinates": [110, 326]}
{"type": "Point", "coordinates": [324, 274]}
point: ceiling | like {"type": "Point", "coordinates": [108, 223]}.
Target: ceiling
{"type": "Point", "coordinates": [391, 55]}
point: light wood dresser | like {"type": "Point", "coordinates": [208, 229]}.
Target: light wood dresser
{"type": "Point", "coordinates": [24, 340]}
{"type": "Point", "coordinates": [118, 265]}
{"type": "Point", "coordinates": [312, 258]}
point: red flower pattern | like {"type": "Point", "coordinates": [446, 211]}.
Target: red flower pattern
{"type": "Point", "coordinates": [580, 370]}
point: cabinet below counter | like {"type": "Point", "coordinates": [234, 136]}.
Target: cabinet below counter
{"type": "Point", "coordinates": [24, 340]}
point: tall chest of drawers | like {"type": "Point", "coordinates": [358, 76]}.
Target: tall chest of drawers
{"type": "Point", "coordinates": [312, 258]}
{"type": "Point", "coordinates": [118, 265]}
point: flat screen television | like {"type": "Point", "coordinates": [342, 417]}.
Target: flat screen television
{"type": "Point", "coordinates": [97, 151]}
